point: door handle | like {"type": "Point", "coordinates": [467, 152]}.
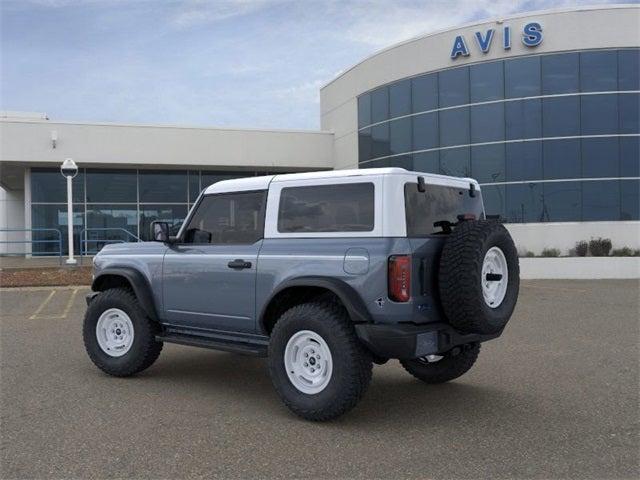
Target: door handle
{"type": "Point", "coordinates": [239, 264]}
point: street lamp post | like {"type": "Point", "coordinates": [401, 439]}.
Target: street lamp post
{"type": "Point", "coordinates": [69, 170]}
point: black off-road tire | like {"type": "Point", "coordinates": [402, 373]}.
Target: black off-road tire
{"type": "Point", "coordinates": [460, 277]}
{"type": "Point", "coordinates": [144, 350]}
{"type": "Point", "coordinates": [446, 369]}
{"type": "Point", "coordinates": [352, 364]}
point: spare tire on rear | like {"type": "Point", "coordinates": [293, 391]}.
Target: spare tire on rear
{"type": "Point", "coordinates": [479, 277]}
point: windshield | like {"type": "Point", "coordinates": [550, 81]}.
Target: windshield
{"type": "Point", "coordinates": [438, 203]}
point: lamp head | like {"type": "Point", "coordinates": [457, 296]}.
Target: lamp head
{"type": "Point", "coordinates": [69, 169]}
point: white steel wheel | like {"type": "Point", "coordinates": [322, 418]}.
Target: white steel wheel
{"type": "Point", "coordinates": [495, 277]}
{"type": "Point", "coordinates": [308, 362]}
{"type": "Point", "coordinates": [114, 332]}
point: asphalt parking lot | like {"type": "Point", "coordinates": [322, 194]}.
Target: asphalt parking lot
{"type": "Point", "coordinates": [555, 397]}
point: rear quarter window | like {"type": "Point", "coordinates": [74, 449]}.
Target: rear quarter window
{"type": "Point", "coordinates": [437, 203]}
{"type": "Point", "coordinates": [347, 207]}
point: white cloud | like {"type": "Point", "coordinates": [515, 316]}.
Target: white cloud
{"type": "Point", "coordinates": [378, 23]}
{"type": "Point", "coordinates": [197, 12]}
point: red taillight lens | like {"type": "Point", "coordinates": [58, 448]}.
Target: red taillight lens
{"type": "Point", "coordinates": [400, 278]}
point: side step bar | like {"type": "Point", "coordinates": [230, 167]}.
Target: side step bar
{"type": "Point", "coordinates": [254, 345]}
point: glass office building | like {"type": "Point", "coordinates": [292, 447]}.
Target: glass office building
{"type": "Point", "coordinates": [551, 137]}
{"type": "Point", "coordinates": [114, 204]}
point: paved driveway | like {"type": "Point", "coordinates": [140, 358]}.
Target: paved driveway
{"type": "Point", "coordinates": [556, 396]}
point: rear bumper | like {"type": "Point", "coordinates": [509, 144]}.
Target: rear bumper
{"type": "Point", "coordinates": [406, 341]}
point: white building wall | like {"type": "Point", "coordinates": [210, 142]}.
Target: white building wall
{"type": "Point", "coordinates": [29, 142]}
{"type": "Point", "coordinates": [11, 217]}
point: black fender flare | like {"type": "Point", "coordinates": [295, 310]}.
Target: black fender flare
{"type": "Point", "coordinates": [138, 282]}
{"type": "Point", "coordinates": [346, 293]}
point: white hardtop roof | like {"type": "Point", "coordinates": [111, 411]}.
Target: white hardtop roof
{"type": "Point", "coordinates": [262, 183]}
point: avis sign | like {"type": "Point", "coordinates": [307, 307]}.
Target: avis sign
{"type": "Point", "coordinates": [531, 37]}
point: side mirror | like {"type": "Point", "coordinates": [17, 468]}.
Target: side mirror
{"type": "Point", "coordinates": [160, 231]}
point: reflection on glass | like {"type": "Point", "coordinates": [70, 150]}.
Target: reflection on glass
{"type": "Point", "coordinates": [163, 186]}
{"type": "Point", "coordinates": [428, 162]}
{"type": "Point", "coordinates": [364, 110]}
{"type": "Point", "coordinates": [173, 214]}
{"type": "Point", "coordinates": [487, 123]}
{"type": "Point", "coordinates": [630, 200]}
{"type": "Point", "coordinates": [400, 98]}
{"type": "Point", "coordinates": [364, 145]}
{"type": "Point", "coordinates": [109, 224]}
{"type": "Point", "coordinates": [380, 140]}
{"type": "Point", "coordinates": [425, 131]}
{"type": "Point", "coordinates": [561, 201]}
{"type": "Point", "coordinates": [629, 69]}
{"type": "Point", "coordinates": [49, 186]}
{"type": "Point", "coordinates": [400, 135]}
{"type": "Point", "coordinates": [380, 104]}
{"type": "Point", "coordinates": [561, 159]}
{"type": "Point", "coordinates": [424, 93]}
{"type": "Point", "coordinates": [560, 73]}
{"type": "Point", "coordinates": [600, 200]}
{"type": "Point", "coordinates": [54, 217]}
{"type": "Point", "coordinates": [454, 127]}
{"type": "Point", "coordinates": [522, 77]}
{"type": "Point", "coordinates": [487, 81]}
{"type": "Point", "coordinates": [598, 71]}
{"type": "Point", "coordinates": [453, 86]}
{"type": "Point", "coordinates": [455, 162]}
{"type": "Point", "coordinates": [599, 114]}
{"type": "Point", "coordinates": [561, 116]}
{"type": "Point", "coordinates": [524, 203]}
{"type": "Point", "coordinates": [112, 186]}
{"type": "Point", "coordinates": [523, 161]}
{"type": "Point", "coordinates": [523, 119]}
{"type": "Point", "coordinates": [488, 163]}
{"type": "Point", "coordinates": [600, 157]}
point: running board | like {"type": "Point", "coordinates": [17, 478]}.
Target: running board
{"type": "Point", "coordinates": [247, 346]}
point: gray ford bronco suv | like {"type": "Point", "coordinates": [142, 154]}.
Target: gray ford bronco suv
{"type": "Point", "coordinates": [324, 273]}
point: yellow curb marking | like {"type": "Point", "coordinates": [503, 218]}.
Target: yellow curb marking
{"type": "Point", "coordinates": [42, 305]}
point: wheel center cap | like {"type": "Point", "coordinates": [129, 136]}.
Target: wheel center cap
{"type": "Point", "coordinates": [118, 331]}
{"type": "Point", "coordinates": [312, 361]}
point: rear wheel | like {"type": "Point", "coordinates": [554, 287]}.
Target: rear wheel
{"type": "Point", "coordinates": [442, 368]}
{"type": "Point", "coordinates": [317, 365]}
{"type": "Point", "coordinates": [118, 335]}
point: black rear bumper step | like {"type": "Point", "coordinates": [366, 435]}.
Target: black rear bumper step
{"type": "Point", "coordinates": [242, 346]}
{"type": "Point", "coordinates": [405, 341]}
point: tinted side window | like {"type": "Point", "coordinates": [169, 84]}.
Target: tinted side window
{"type": "Point", "coordinates": [235, 218]}
{"type": "Point", "coordinates": [327, 208]}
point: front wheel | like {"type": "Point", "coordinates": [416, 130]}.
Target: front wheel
{"type": "Point", "coordinates": [118, 335]}
{"type": "Point", "coordinates": [442, 368]}
{"type": "Point", "coordinates": [317, 365]}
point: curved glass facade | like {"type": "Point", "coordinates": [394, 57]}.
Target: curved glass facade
{"type": "Point", "coordinates": [551, 138]}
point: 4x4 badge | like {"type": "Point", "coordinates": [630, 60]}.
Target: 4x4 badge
{"type": "Point", "coordinates": [380, 302]}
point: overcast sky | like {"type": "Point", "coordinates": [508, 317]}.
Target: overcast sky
{"type": "Point", "coordinates": [244, 63]}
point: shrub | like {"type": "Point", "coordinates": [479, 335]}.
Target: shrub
{"type": "Point", "coordinates": [600, 247]}
{"type": "Point", "coordinates": [526, 253]}
{"type": "Point", "coordinates": [550, 252]}
{"type": "Point", "coordinates": [581, 248]}
{"type": "Point", "coordinates": [636, 252]}
{"type": "Point", "coordinates": [624, 252]}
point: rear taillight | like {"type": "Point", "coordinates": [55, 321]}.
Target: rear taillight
{"type": "Point", "coordinates": [400, 278]}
